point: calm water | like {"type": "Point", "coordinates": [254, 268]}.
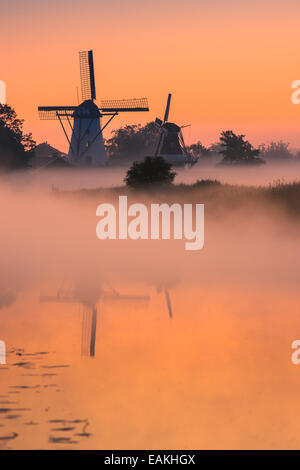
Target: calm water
{"type": "Point", "coordinates": [216, 375]}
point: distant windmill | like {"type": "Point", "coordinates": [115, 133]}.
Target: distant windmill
{"type": "Point", "coordinates": [86, 146]}
{"type": "Point", "coordinates": [89, 299]}
{"type": "Point", "coordinates": [171, 144]}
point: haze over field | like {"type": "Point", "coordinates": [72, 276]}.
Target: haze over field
{"type": "Point", "coordinates": [111, 177]}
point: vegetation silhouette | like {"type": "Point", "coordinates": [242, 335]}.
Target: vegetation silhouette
{"type": "Point", "coordinates": [132, 143]}
{"type": "Point", "coordinates": [238, 151]}
{"type": "Point", "coordinates": [151, 172]}
{"type": "Point", "coordinates": [199, 150]}
{"type": "Point", "coordinates": [273, 152]}
{"type": "Point", "coordinates": [16, 147]}
{"type": "Point", "coordinates": [276, 151]}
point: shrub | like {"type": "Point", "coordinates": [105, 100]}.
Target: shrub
{"type": "Point", "coordinates": [152, 171]}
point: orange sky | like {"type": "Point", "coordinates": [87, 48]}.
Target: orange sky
{"type": "Point", "coordinates": [229, 65]}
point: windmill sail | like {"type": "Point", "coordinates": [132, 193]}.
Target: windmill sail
{"type": "Point", "coordinates": [129, 105]}
{"type": "Point", "coordinates": [167, 108]}
{"type": "Point", "coordinates": [161, 123]}
{"type": "Point", "coordinates": [55, 112]}
{"type": "Point", "coordinates": [87, 76]}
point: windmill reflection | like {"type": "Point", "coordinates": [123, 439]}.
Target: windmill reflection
{"type": "Point", "coordinates": [169, 304]}
{"type": "Point", "coordinates": [89, 329]}
{"type": "Point", "coordinates": [89, 297]}
{"type": "Point", "coordinates": [166, 292]}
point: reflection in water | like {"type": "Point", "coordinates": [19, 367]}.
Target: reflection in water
{"type": "Point", "coordinates": [211, 377]}
{"type": "Point", "coordinates": [8, 437]}
{"type": "Point", "coordinates": [89, 298]}
{"type": "Point", "coordinates": [168, 300]}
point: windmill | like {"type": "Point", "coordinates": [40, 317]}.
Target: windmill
{"type": "Point", "coordinates": [86, 146]}
{"type": "Point", "coordinates": [170, 143]}
{"type": "Point", "coordinates": [88, 297]}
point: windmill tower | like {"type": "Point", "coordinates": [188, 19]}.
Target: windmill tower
{"type": "Point", "coordinates": [170, 143]}
{"type": "Point", "coordinates": [86, 146]}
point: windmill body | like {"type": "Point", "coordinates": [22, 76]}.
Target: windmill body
{"type": "Point", "coordinates": [87, 145]}
{"type": "Point", "coordinates": [171, 148]}
{"type": "Point", "coordinates": [83, 122]}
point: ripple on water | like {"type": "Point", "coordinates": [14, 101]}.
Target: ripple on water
{"type": "Point", "coordinates": [9, 437]}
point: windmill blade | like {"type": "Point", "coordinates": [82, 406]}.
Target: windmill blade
{"type": "Point", "coordinates": [87, 76]}
{"type": "Point", "coordinates": [161, 136]}
{"type": "Point", "coordinates": [55, 112]}
{"type": "Point", "coordinates": [127, 105]}
{"type": "Point", "coordinates": [168, 108]}
{"type": "Point", "coordinates": [182, 143]}
{"type": "Point", "coordinates": [169, 304]}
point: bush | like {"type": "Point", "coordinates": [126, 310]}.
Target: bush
{"type": "Point", "coordinates": [206, 183]}
{"type": "Point", "coordinates": [152, 171]}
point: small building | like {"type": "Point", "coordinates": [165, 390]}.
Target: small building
{"type": "Point", "coordinates": [47, 156]}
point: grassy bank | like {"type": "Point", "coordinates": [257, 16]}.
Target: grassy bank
{"type": "Point", "coordinates": [210, 192]}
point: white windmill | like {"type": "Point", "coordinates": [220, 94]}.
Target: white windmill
{"type": "Point", "coordinates": [86, 146]}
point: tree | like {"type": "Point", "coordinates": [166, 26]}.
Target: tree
{"type": "Point", "coordinates": [198, 150]}
{"type": "Point", "coordinates": [152, 171]}
{"type": "Point", "coordinates": [131, 143]}
{"type": "Point", "coordinates": [215, 147]}
{"type": "Point", "coordinates": [236, 150]}
{"type": "Point", "coordinates": [8, 118]}
{"type": "Point", "coordinates": [15, 146]}
{"type": "Point", "coordinates": [276, 151]}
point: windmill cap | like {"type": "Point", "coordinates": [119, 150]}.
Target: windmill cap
{"type": "Point", "coordinates": [171, 127]}
{"type": "Point", "coordinates": [87, 109]}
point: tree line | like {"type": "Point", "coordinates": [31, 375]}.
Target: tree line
{"type": "Point", "coordinates": [133, 142]}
